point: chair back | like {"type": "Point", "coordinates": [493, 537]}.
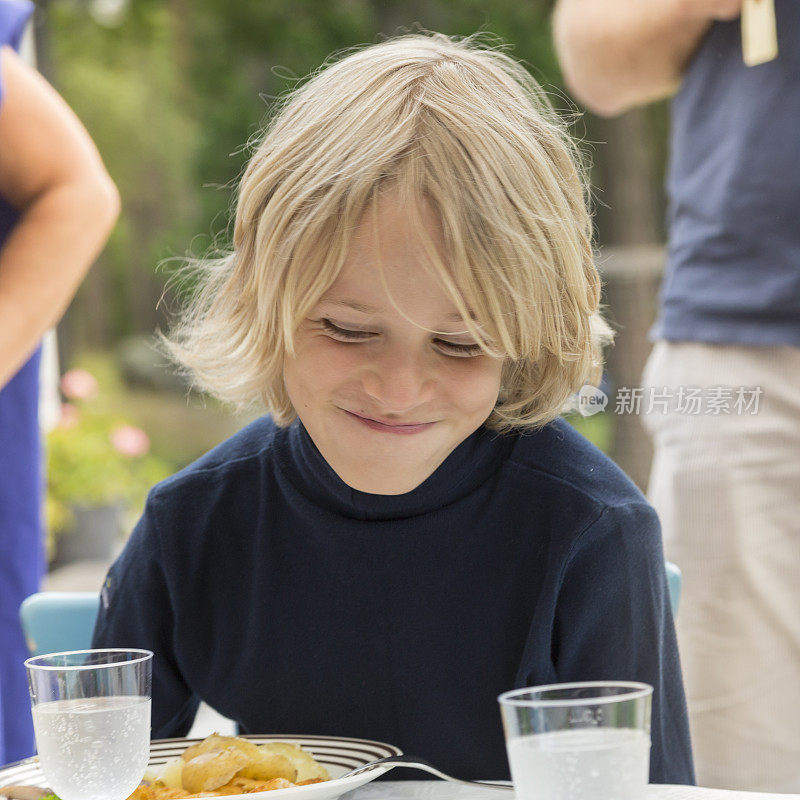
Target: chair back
{"type": "Point", "coordinates": [674, 579]}
{"type": "Point", "coordinates": [58, 621]}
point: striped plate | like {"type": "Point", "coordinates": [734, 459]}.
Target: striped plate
{"type": "Point", "coordinates": [338, 755]}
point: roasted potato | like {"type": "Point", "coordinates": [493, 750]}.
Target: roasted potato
{"type": "Point", "coordinates": [302, 761]}
{"type": "Point", "coordinates": [265, 766]}
{"type": "Point", "coordinates": [210, 770]}
{"type": "Point", "coordinates": [172, 773]}
{"type": "Point", "coordinates": [217, 742]}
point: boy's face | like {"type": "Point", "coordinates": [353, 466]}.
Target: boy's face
{"type": "Point", "coordinates": [385, 400]}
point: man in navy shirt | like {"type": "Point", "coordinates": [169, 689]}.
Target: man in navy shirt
{"type": "Point", "coordinates": [412, 530]}
{"type": "Point", "coordinates": [726, 469]}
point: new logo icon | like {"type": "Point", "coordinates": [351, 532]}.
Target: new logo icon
{"type": "Point", "coordinates": [591, 400]}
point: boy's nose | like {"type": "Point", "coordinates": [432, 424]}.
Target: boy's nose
{"type": "Point", "coordinates": [399, 382]}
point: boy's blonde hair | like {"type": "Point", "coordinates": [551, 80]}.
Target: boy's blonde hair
{"type": "Point", "coordinates": [463, 127]}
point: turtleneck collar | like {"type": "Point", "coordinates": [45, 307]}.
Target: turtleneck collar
{"type": "Point", "coordinates": [469, 465]}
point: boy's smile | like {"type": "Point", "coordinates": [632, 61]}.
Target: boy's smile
{"type": "Point", "coordinates": [384, 399]}
{"type": "Point", "coordinates": [402, 428]}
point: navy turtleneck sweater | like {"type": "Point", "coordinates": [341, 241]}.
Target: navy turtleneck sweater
{"type": "Point", "coordinates": [294, 604]}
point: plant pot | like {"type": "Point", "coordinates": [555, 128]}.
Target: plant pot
{"type": "Point", "coordinates": [95, 537]}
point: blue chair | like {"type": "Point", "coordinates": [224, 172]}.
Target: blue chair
{"type": "Point", "coordinates": [674, 583]}
{"type": "Point", "coordinates": [57, 621]}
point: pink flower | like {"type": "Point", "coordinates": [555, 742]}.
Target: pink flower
{"type": "Point", "coordinates": [70, 416]}
{"type": "Point", "coordinates": [79, 384]}
{"type": "Point", "coordinates": [130, 441]}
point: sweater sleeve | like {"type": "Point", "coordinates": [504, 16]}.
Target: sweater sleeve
{"type": "Point", "coordinates": [136, 611]}
{"type": "Point", "coordinates": [613, 622]}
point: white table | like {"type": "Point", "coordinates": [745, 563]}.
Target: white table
{"type": "Point", "coordinates": [440, 790]}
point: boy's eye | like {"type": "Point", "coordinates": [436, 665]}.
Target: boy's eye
{"type": "Point", "coordinates": [344, 334]}
{"type": "Point", "coordinates": [459, 350]}
{"type": "Point", "coordinates": [456, 349]}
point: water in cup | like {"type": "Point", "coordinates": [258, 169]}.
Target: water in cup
{"type": "Point", "coordinates": [580, 764]}
{"type": "Point", "coordinates": [91, 716]}
{"type": "Point", "coordinates": [93, 748]}
{"type": "Point", "coordinates": [579, 741]}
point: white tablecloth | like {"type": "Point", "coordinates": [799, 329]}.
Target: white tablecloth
{"type": "Point", "coordinates": [440, 790]}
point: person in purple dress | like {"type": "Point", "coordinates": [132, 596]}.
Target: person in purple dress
{"type": "Point", "coordinates": [57, 207]}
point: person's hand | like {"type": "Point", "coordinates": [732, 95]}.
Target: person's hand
{"type": "Point", "coordinates": [723, 10]}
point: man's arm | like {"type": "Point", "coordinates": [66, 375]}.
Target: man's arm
{"type": "Point", "coordinates": [616, 54]}
{"type": "Point", "coordinates": [51, 171]}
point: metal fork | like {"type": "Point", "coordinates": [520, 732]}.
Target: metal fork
{"type": "Point", "coordinates": [419, 763]}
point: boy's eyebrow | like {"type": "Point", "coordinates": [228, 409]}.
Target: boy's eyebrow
{"type": "Point", "coordinates": [366, 309]}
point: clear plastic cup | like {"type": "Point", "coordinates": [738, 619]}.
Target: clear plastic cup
{"type": "Point", "coordinates": [579, 741]}
{"type": "Point", "coordinates": [91, 716]}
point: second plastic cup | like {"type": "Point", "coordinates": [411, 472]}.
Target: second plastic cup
{"type": "Point", "coordinates": [578, 741]}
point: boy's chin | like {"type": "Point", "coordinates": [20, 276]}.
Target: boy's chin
{"type": "Point", "coordinates": [400, 485]}
{"type": "Point", "coordinates": [378, 480]}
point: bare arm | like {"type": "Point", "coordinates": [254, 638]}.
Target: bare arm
{"type": "Point", "coordinates": [51, 171]}
{"type": "Point", "coordinates": [616, 54]}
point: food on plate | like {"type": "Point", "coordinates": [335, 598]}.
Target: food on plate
{"type": "Point", "coordinates": [155, 792]}
{"type": "Point", "coordinates": [211, 770]}
{"type": "Point", "coordinates": [308, 770]}
{"type": "Point", "coordinates": [267, 766]}
{"type": "Point", "coordinates": [216, 767]}
{"type": "Point", "coordinates": [217, 742]}
{"type": "Point", "coordinates": [261, 764]}
{"type": "Point", "coordinates": [226, 765]}
{"type": "Point", "coordinates": [248, 785]}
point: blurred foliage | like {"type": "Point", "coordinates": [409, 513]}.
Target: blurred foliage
{"type": "Point", "coordinates": [125, 86]}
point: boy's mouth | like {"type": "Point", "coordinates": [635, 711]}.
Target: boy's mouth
{"type": "Point", "coordinates": [401, 428]}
